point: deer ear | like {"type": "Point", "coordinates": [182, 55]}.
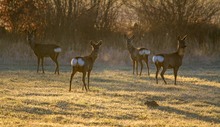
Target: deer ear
{"type": "Point", "coordinates": [91, 43]}
{"type": "Point", "coordinates": [100, 42]}
{"type": "Point", "coordinates": [184, 37]}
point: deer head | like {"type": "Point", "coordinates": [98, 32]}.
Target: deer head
{"type": "Point", "coordinates": [30, 38]}
{"type": "Point", "coordinates": [129, 40]}
{"type": "Point", "coordinates": [181, 42]}
{"type": "Point", "coordinates": [95, 48]}
{"type": "Point", "coordinates": [181, 45]}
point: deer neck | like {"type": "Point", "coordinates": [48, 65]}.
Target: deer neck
{"type": "Point", "coordinates": [131, 48]}
{"type": "Point", "coordinates": [32, 45]}
{"type": "Point", "coordinates": [94, 54]}
{"type": "Point", "coordinates": [181, 52]}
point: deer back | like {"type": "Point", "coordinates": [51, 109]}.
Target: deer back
{"type": "Point", "coordinates": [46, 50]}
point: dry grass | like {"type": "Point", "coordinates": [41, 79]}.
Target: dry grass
{"type": "Point", "coordinates": [117, 98]}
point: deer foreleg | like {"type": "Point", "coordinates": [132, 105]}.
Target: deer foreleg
{"type": "Point", "coordinates": [175, 70]}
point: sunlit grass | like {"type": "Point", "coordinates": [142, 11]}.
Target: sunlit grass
{"type": "Point", "coordinates": [116, 98]}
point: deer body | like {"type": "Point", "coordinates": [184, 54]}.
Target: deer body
{"type": "Point", "coordinates": [170, 61]}
{"type": "Point", "coordinates": [85, 64]}
{"type": "Point", "coordinates": [137, 55]}
{"type": "Point", "coordinates": [44, 50]}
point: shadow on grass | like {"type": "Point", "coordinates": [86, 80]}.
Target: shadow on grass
{"type": "Point", "coordinates": [188, 114]}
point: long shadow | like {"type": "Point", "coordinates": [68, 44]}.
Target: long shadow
{"type": "Point", "coordinates": [188, 114]}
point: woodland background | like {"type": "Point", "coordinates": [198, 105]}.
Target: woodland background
{"type": "Point", "coordinates": [73, 23]}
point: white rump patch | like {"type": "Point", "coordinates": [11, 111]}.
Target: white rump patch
{"type": "Point", "coordinates": [73, 62]}
{"type": "Point", "coordinates": [144, 52]}
{"type": "Point", "coordinates": [57, 50]}
{"type": "Point", "coordinates": [81, 62]}
{"type": "Point", "coordinates": [77, 62]}
{"type": "Point", "coordinates": [158, 59]}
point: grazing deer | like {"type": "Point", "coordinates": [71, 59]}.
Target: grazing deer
{"type": "Point", "coordinates": [44, 50]}
{"type": "Point", "coordinates": [169, 61]}
{"type": "Point", "coordinates": [85, 64]}
{"type": "Point", "coordinates": [137, 54]}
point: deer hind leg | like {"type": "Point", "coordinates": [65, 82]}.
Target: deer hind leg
{"type": "Point", "coordinates": [57, 64]}
{"type": "Point", "coordinates": [71, 77]}
{"type": "Point", "coordinates": [175, 70]}
{"type": "Point", "coordinates": [83, 79]}
{"type": "Point", "coordinates": [136, 67]}
{"type": "Point", "coordinates": [162, 74]}
{"type": "Point", "coordinates": [38, 63]}
{"type": "Point", "coordinates": [133, 66]}
{"type": "Point", "coordinates": [158, 69]}
{"type": "Point", "coordinates": [42, 64]}
{"type": "Point", "coordinates": [141, 67]}
{"type": "Point", "coordinates": [88, 79]}
{"type": "Point", "coordinates": [146, 61]}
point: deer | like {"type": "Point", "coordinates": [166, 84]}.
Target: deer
{"type": "Point", "coordinates": [137, 55]}
{"type": "Point", "coordinates": [44, 50]}
{"type": "Point", "coordinates": [170, 61]}
{"type": "Point", "coordinates": [85, 64]}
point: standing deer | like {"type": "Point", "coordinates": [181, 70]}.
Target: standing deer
{"type": "Point", "coordinates": [85, 64]}
{"type": "Point", "coordinates": [137, 54]}
{"type": "Point", "coordinates": [169, 61]}
{"type": "Point", "coordinates": [44, 50]}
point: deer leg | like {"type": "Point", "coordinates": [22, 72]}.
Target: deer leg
{"type": "Point", "coordinates": [57, 68]}
{"type": "Point", "coordinates": [146, 61]}
{"type": "Point", "coordinates": [141, 67]}
{"type": "Point", "coordinates": [38, 63]}
{"type": "Point", "coordinates": [83, 79]}
{"type": "Point", "coordinates": [42, 64]}
{"type": "Point", "coordinates": [162, 74]}
{"type": "Point", "coordinates": [175, 70]}
{"type": "Point", "coordinates": [71, 77]}
{"type": "Point", "coordinates": [137, 67]}
{"type": "Point", "coordinates": [88, 78]}
{"type": "Point", "coordinates": [158, 69]}
{"type": "Point", "coordinates": [133, 66]}
{"type": "Point", "coordinates": [57, 65]}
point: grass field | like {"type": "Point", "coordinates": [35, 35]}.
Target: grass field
{"type": "Point", "coordinates": [117, 97]}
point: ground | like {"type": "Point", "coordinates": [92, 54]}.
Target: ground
{"type": "Point", "coordinates": [117, 97]}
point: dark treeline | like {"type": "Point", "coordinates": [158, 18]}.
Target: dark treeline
{"type": "Point", "coordinates": [65, 21]}
{"type": "Point", "coordinates": [155, 23]}
{"type": "Point", "coordinates": [163, 20]}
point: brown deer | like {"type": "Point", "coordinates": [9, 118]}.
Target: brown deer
{"type": "Point", "coordinates": [169, 61]}
{"type": "Point", "coordinates": [137, 54]}
{"type": "Point", "coordinates": [44, 50]}
{"type": "Point", "coordinates": [85, 64]}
